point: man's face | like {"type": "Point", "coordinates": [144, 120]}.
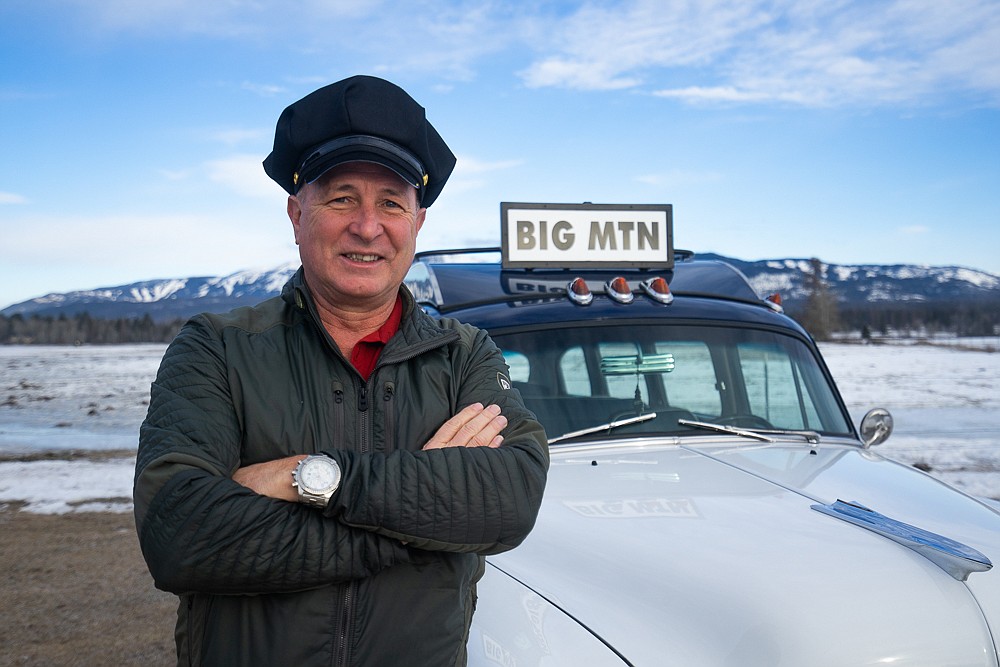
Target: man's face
{"type": "Point", "coordinates": [356, 228]}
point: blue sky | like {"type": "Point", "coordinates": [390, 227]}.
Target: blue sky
{"type": "Point", "coordinates": [856, 132]}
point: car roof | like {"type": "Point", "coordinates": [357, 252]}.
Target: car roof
{"type": "Point", "coordinates": [452, 283]}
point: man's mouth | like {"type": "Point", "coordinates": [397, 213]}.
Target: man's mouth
{"type": "Point", "coordinates": [357, 257]}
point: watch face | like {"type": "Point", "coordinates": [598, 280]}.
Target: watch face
{"type": "Point", "coordinates": [320, 475]}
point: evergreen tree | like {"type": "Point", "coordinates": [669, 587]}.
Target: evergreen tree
{"type": "Point", "coordinates": [820, 316]}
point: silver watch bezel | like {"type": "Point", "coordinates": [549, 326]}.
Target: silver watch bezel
{"type": "Point", "coordinates": [312, 496]}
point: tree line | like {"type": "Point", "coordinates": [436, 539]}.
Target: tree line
{"type": "Point", "coordinates": [820, 314]}
{"type": "Point", "coordinates": [823, 316]}
{"type": "Point", "coordinates": [82, 329]}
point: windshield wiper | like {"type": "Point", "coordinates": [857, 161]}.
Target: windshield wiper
{"type": "Point", "coordinates": [604, 427]}
{"type": "Point", "coordinates": [725, 429]}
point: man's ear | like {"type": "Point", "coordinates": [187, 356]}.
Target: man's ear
{"type": "Point", "coordinates": [419, 222]}
{"type": "Point", "coordinates": [294, 209]}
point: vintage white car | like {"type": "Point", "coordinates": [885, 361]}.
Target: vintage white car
{"type": "Point", "coordinates": [709, 502]}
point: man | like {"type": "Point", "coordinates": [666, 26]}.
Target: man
{"type": "Point", "coordinates": [320, 476]}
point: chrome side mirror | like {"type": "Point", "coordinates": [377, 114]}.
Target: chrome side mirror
{"type": "Point", "coordinates": [876, 427]}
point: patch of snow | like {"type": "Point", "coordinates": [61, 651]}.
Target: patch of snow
{"type": "Point", "coordinates": [945, 403]}
{"type": "Point", "coordinates": [157, 291]}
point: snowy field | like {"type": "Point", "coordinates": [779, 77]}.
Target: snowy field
{"type": "Point", "coordinates": [58, 401]}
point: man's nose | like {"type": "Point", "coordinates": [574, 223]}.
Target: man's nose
{"type": "Point", "coordinates": [367, 223]}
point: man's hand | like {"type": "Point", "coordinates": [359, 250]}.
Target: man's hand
{"type": "Point", "coordinates": [271, 478]}
{"type": "Point", "coordinates": [475, 426]}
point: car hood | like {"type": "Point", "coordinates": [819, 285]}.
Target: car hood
{"type": "Point", "coordinates": [711, 553]}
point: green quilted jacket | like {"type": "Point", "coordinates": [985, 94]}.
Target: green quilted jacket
{"type": "Point", "coordinates": [386, 574]}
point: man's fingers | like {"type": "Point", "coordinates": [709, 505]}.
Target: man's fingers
{"type": "Point", "coordinates": [481, 429]}
{"type": "Point", "coordinates": [474, 426]}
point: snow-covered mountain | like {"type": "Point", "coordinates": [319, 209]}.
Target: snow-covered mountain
{"type": "Point", "coordinates": [856, 284]}
{"type": "Point", "coordinates": [162, 299]}
{"type": "Point", "coordinates": [850, 284]}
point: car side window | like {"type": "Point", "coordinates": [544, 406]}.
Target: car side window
{"type": "Point", "coordinates": [775, 388]}
{"type": "Point", "coordinates": [573, 368]}
{"type": "Point", "coordinates": [520, 367]}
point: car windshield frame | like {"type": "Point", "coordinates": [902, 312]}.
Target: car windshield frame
{"type": "Point", "coordinates": [577, 376]}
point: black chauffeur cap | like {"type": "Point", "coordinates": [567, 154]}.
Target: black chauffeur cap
{"type": "Point", "coordinates": [360, 119]}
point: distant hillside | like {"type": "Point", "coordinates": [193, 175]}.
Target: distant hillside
{"type": "Point", "coordinates": [162, 300]}
{"type": "Point", "coordinates": [853, 285]}
{"type": "Point", "coordinates": [868, 287]}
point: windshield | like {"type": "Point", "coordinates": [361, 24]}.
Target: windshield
{"type": "Point", "coordinates": [576, 378]}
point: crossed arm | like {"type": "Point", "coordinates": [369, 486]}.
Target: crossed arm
{"type": "Point", "coordinates": [201, 532]}
{"type": "Point", "coordinates": [474, 426]}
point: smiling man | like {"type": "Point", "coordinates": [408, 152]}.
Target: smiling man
{"type": "Point", "coordinates": [320, 476]}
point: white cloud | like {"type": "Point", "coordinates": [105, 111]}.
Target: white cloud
{"type": "Point", "coordinates": [472, 174]}
{"type": "Point", "coordinates": [12, 198]}
{"type": "Point", "coordinates": [567, 73]}
{"type": "Point", "coordinates": [263, 89]}
{"type": "Point", "coordinates": [786, 51]}
{"type": "Point", "coordinates": [798, 52]}
{"type": "Point", "coordinates": [234, 136]}
{"type": "Point", "coordinates": [109, 250]}
{"type": "Point", "coordinates": [175, 175]}
{"type": "Point", "coordinates": [600, 48]}
{"type": "Point", "coordinates": [243, 175]}
{"type": "Point", "coordinates": [717, 94]}
{"type": "Point", "coordinates": [471, 165]}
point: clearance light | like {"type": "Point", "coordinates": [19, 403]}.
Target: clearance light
{"type": "Point", "coordinates": [658, 290]}
{"type": "Point", "coordinates": [579, 293]}
{"type": "Point", "coordinates": [774, 302]}
{"type": "Point", "coordinates": [619, 290]}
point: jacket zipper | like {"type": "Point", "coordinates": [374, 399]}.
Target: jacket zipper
{"type": "Point", "coordinates": [364, 442]}
{"type": "Point", "coordinates": [347, 601]}
{"type": "Point", "coordinates": [342, 649]}
{"type": "Point", "coordinates": [190, 629]}
{"type": "Point", "coordinates": [342, 657]}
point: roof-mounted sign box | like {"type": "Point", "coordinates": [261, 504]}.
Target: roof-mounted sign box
{"type": "Point", "coordinates": [582, 235]}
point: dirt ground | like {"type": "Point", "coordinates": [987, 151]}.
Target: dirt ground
{"type": "Point", "coordinates": [74, 590]}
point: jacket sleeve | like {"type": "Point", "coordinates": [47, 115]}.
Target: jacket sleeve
{"type": "Point", "coordinates": [202, 532]}
{"type": "Point", "coordinates": [482, 500]}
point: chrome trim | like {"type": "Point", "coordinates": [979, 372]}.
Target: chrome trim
{"type": "Point", "coordinates": [581, 297]}
{"type": "Point", "coordinates": [957, 559]}
{"type": "Point", "coordinates": [666, 298]}
{"type": "Point", "coordinates": [619, 296]}
{"type": "Point", "coordinates": [876, 427]}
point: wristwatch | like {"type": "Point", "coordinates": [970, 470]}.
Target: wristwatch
{"type": "Point", "coordinates": [316, 477]}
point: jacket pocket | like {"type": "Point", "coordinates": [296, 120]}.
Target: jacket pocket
{"type": "Point", "coordinates": [190, 631]}
{"type": "Point", "coordinates": [471, 600]}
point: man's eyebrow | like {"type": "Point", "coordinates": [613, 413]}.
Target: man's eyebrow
{"type": "Point", "coordinates": [348, 186]}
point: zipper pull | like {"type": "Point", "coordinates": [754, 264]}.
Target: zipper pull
{"type": "Point", "coordinates": [389, 390]}
{"type": "Point", "coordinates": [338, 392]}
{"type": "Point", "coordinates": [363, 399]}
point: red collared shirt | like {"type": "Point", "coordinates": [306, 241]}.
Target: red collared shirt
{"type": "Point", "coordinates": [365, 354]}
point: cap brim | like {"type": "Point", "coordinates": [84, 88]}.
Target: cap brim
{"type": "Point", "coordinates": [360, 148]}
